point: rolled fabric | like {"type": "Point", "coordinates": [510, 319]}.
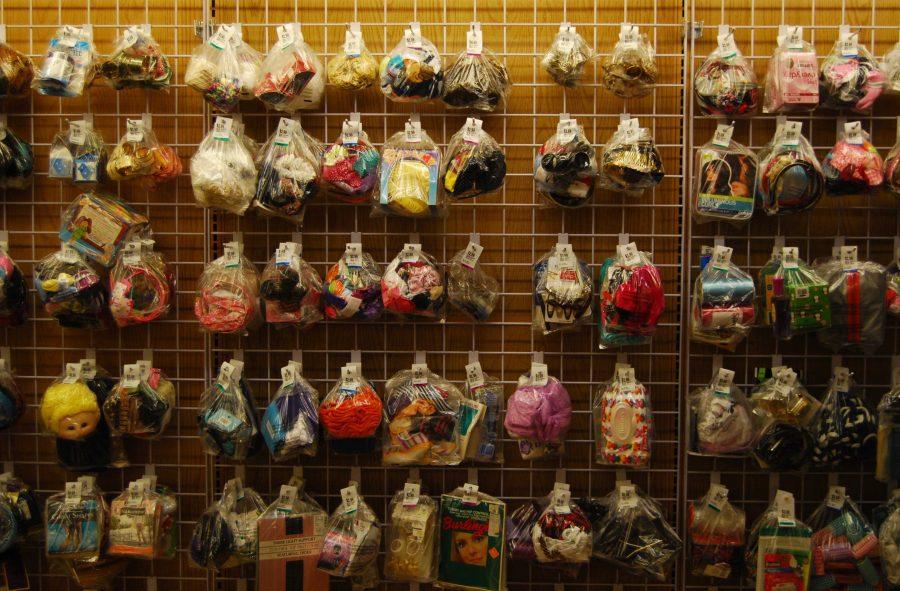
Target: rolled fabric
{"type": "Point", "coordinates": [539, 416]}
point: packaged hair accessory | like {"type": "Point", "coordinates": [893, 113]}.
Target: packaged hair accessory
{"type": "Point", "coordinates": [723, 309]}
{"type": "Point", "coordinates": [779, 549]}
{"type": "Point", "coordinates": [472, 535]}
{"type": "Point", "coordinates": [135, 520]}
{"type": "Point", "coordinates": [565, 168]}
{"type": "Point", "coordinates": [353, 69]}
{"type": "Point", "coordinates": [563, 288]}
{"type": "Point", "coordinates": [76, 522]}
{"type": "Point", "coordinates": [716, 530]}
{"type": "Point", "coordinates": [68, 66]}
{"type": "Point", "coordinates": [249, 62]}
{"type": "Point", "coordinates": [412, 538]}
{"type": "Point", "coordinates": [352, 539]}
{"type": "Point", "coordinates": [887, 464]}
{"type": "Point", "coordinates": [13, 289]}
{"type": "Point", "coordinates": [853, 166]}
{"type": "Point", "coordinates": [519, 525]}
{"type": "Point", "coordinates": [351, 412]}
{"type": "Point", "coordinates": [722, 422]}
{"type": "Point", "coordinates": [350, 164]}
{"type": "Point", "coordinates": [78, 154]}
{"type": "Point", "coordinates": [474, 164]}
{"type": "Point", "coordinates": [98, 225]}
{"type": "Point", "coordinates": [630, 162]}
{"type": "Point", "coordinates": [228, 291]}
{"type": "Point", "coordinates": [223, 174]}
{"type": "Point", "coordinates": [353, 286]}
{"type": "Point", "coordinates": [16, 72]}
{"type": "Point", "coordinates": [890, 66]}
{"type": "Point", "coordinates": [632, 298]}
{"type": "Point", "coordinates": [140, 285]}
{"type": "Point", "coordinates": [134, 157]}
{"type": "Point", "coordinates": [225, 535]}
{"type": "Point", "coordinates": [290, 424]}
{"type": "Point", "coordinates": [412, 72]}
{"type": "Point", "coordinates": [287, 69]}
{"type": "Point", "coordinates": [567, 56]}
{"type": "Point", "coordinates": [24, 503]}
{"type": "Point", "coordinates": [725, 185]}
{"type": "Point", "coordinates": [850, 77]}
{"type": "Point", "coordinates": [16, 160]}
{"type": "Point", "coordinates": [12, 404]}
{"type": "Point", "coordinates": [413, 284]}
{"type": "Point", "coordinates": [288, 172]}
{"type": "Point", "coordinates": [562, 534]}
{"type": "Point", "coordinates": [409, 175]}
{"type": "Point", "coordinates": [623, 421]}
{"type": "Point", "coordinates": [844, 429]}
{"type": "Point", "coordinates": [227, 418]}
{"type": "Point", "coordinates": [538, 414]}
{"type": "Point", "coordinates": [71, 290]}
{"type": "Point", "coordinates": [725, 84]}
{"type": "Point", "coordinates": [291, 289]}
{"type": "Point", "coordinates": [142, 403]}
{"type": "Point", "coordinates": [167, 538]}
{"type": "Point", "coordinates": [477, 79]}
{"type": "Point", "coordinates": [214, 71]}
{"type": "Point", "coordinates": [800, 298]}
{"type": "Point", "coordinates": [792, 80]}
{"type": "Point", "coordinates": [469, 288]}
{"type": "Point", "coordinates": [630, 71]}
{"type": "Point", "coordinates": [137, 61]}
{"type": "Point", "coordinates": [484, 443]}
{"type": "Point", "coordinates": [783, 411]}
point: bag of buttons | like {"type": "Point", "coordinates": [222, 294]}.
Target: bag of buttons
{"type": "Point", "coordinates": [477, 79]}
{"type": "Point", "coordinates": [844, 429]}
{"type": "Point", "coordinates": [717, 537]}
{"type": "Point", "coordinates": [790, 176]}
{"type": "Point", "coordinates": [223, 172]}
{"type": "Point", "coordinates": [565, 168]}
{"type": "Point", "coordinates": [287, 70]}
{"type": "Point", "coordinates": [16, 72]}
{"type": "Point", "coordinates": [474, 163]}
{"type": "Point", "coordinates": [783, 410]}
{"type": "Point", "coordinates": [228, 289]}
{"type": "Point", "coordinates": [412, 537]}
{"type": "Point", "coordinates": [290, 424]}
{"type": "Point", "coordinates": [630, 71]}
{"type": "Point", "coordinates": [538, 414]}
{"type": "Point", "coordinates": [623, 421]}
{"type": "Point", "coordinates": [13, 289]}
{"type": "Point", "coordinates": [792, 79]}
{"type": "Point", "coordinates": [632, 298]}
{"type": "Point", "coordinates": [725, 84]}
{"type": "Point", "coordinates": [630, 162]}
{"type": "Point", "coordinates": [469, 288]}
{"type": "Point", "coordinates": [16, 160]}
{"type": "Point", "coordinates": [722, 422]}
{"type": "Point", "coordinates": [291, 289]}
{"type": "Point", "coordinates": [79, 154]}
{"type": "Point", "coordinates": [76, 522]}
{"type": "Point", "coordinates": [71, 290]}
{"type": "Point", "coordinates": [353, 287]}
{"type": "Point", "coordinates": [413, 284]}
{"type": "Point", "coordinates": [227, 420]}
{"type": "Point", "coordinates": [353, 69]}
{"type": "Point", "coordinates": [563, 291]}
{"type": "Point", "coordinates": [409, 176]}
{"type": "Point", "coordinates": [853, 166]}
{"type": "Point", "coordinates": [214, 71]}
{"type": "Point", "coordinates": [350, 164]}
{"type": "Point", "coordinates": [857, 291]}
{"type": "Point", "coordinates": [850, 77]}
{"type": "Point", "coordinates": [142, 403]}
{"type": "Point", "coordinates": [351, 413]}
{"type": "Point", "coordinates": [725, 185]}
{"type": "Point", "coordinates": [225, 536]}
{"type": "Point", "coordinates": [412, 71]}
{"type": "Point", "coordinates": [567, 57]}
{"type": "Point", "coordinates": [68, 66]}
{"type": "Point", "coordinates": [289, 176]}
{"type": "Point", "coordinates": [137, 61]}
{"type": "Point", "coordinates": [724, 302]}
{"type": "Point", "coordinates": [352, 539]}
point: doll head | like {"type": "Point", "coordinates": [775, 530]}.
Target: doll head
{"type": "Point", "coordinates": [70, 411]}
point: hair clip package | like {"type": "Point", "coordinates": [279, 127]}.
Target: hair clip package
{"type": "Point", "coordinates": [142, 403]}
{"type": "Point", "coordinates": [289, 176]}
{"type": "Point", "coordinates": [469, 288]}
{"type": "Point", "coordinates": [227, 418]}
{"type": "Point", "coordinates": [351, 413]}
{"type": "Point", "coordinates": [630, 162]}
{"type": "Point", "coordinates": [850, 77]}
{"type": "Point", "coordinates": [412, 538]}
{"type": "Point", "coordinates": [857, 291]}
{"type": "Point", "coordinates": [484, 444]}
{"type": "Point", "coordinates": [413, 284]}
{"type": "Point", "coordinates": [412, 72]}
{"type": "Point", "coordinates": [223, 173]}
{"type": "Point", "coordinates": [16, 160]}
{"type": "Point", "coordinates": [725, 84]}
{"type": "Point", "coordinates": [135, 519]}
{"type": "Point", "coordinates": [790, 176]}
{"type": "Point", "coordinates": [140, 285]}
{"type": "Point", "coordinates": [352, 539]}
{"type": "Point", "coordinates": [783, 410]}
{"type": "Point", "coordinates": [214, 71]}
{"type": "Point", "coordinates": [563, 287]}
{"type": "Point", "coordinates": [779, 549]}
{"type": "Point", "coordinates": [472, 535]}
{"type": "Point", "coordinates": [227, 301]}
{"type": "Point", "coordinates": [630, 71]}
{"type": "Point", "coordinates": [78, 154]}
{"type": "Point", "coordinates": [353, 287]}
{"type": "Point", "coordinates": [792, 79]}
{"type": "Point", "coordinates": [565, 168]}
{"type": "Point", "coordinates": [632, 298]}
{"type": "Point", "coordinates": [16, 72]}
{"type": "Point", "coordinates": [68, 66]}
{"type": "Point", "coordinates": [12, 403]}
{"type": "Point", "coordinates": [561, 536]}
{"type": "Point", "coordinates": [538, 414]}
{"type": "Point", "coordinates": [290, 424]}
{"type": "Point", "coordinates": [291, 289]}
{"type": "Point", "coordinates": [137, 61]}
{"type": "Point", "coordinates": [567, 57]}
{"type": "Point", "coordinates": [725, 185]}
{"type": "Point", "coordinates": [887, 520]}
{"type": "Point", "coordinates": [354, 68]}
{"type": "Point", "coordinates": [474, 164]}
{"type": "Point", "coordinates": [477, 79]}
{"type": "Point", "coordinates": [71, 291]}
{"type": "Point", "coordinates": [226, 534]}
{"type": "Point", "coordinates": [853, 165]}
{"type": "Point", "coordinates": [716, 529]}
{"type": "Point", "coordinates": [844, 429]}
{"type": "Point", "coordinates": [623, 421]}
{"type": "Point", "coordinates": [350, 164]}
{"type": "Point", "coordinates": [887, 459]}
{"type": "Point", "coordinates": [75, 522]}
{"type": "Point", "coordinates": [722, 422]}
{"type": "Point", "coordinates": [287, 70]}
{"type": "Point", "coordinates": [99, 225]}
{"type": "Point", "coordinates": [723, 309]}
{"type": "Point", "coordinates": [13, 290]}
{"type": "Point", "coordinates": [409, 175]}
{"type": "Point", "coordinates": [800, 298]}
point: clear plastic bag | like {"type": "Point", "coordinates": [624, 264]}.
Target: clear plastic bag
{"type": "Point", "coordinates": [725, 84]}
{"type": "Point", "coordinates": [290, 424]}
{"type": "Point", "coordinates": [411, 544]}
{"type": "Point", "coordinates": [134, 157]}
{"type": "Point", "coordinates": [716, 529]}
{"type": "Point", "coordinates": [630, 71]}
{"type": "Point", "coordinates": [142, 403]}
{"type": "Point", "coordinates": [783, 411]}
{"type": "Point", "coordinates": [565, 168]}
{"type": "Point", "coordinates": [24, 502]}
{"type": "Point", "coordinates": [350, 164]}
{"type": "Point", "coordinates": [140, 285]}
{"type": "Point", "coordinates": [623, 421]}
{"type": "Point", "coordinates": [99, 225]}
{"type": "Point", "coordinates": [136, 61]}
{"type": "Point", "coordinates": [766, 283]}
{"type": "Point", "coordinates": [887, 464]}
{"type": "Point", "coordinates": [722, 421]}
{"type": "Point", "coordinates": [800, 298]}
{"type": "Point", "coordinates": [567, 57]}
{"type": "Point", "coordinates": [412, 72]}
{"type": "Point", "coordinates": [561, 536]}
{"type": "Point", "coordinates": [288, 166]}
{"type": "Point", "coordinates": [16, 160]}
{"type": "Point", "coordinates": [476, 80]}
{"type": "Point", "coordinates": [351, 413]}
{"type": "Point", "coordinates": [214, 71]}
{"type": "Point", "coordinates": [227, 299]}
{"type": "Point", "coordinates": [353, 287]}
{"type": "Point", "coordinates": [890, 66]}
{"type": "Point", "coordinates": [563, 289]}
{"type": "Point", "coordinates": [249, 62]}
{"type": "Point", "coordinates": [519, 525]}
{"type": "Point", "coordinates": [168, 537]}
{"type": "Point", "coordinates": [844, 429]}
{"type": "Point", "coordinates": [422, 420]}
{"type": "Point", "coordinates": [16, 72]}
{"type": "Point", "coordinates": [79, 154]}
{"type": "Point", "coordinates": [71, 291]}
{"type": "Point", "coordinates": [538, 415]}
{"type": "Point", "coordinates": [135, 521]}
{"type": "Point", "coordinates": [13, 290]}
{"type": "Point", "coordinates": [472, 535]}
{"type": "Point", "coordinates": [352, 539]}
{"type": "Point", "coordinates": [225, 535]}
{"type": "Point", "coordinates": [723, 308]}
{"type": "Point", "coordinates": [409, 176]}
{"type": "Point", "coordinates": [630, 162]}
{"type": "Point", "coordinates": [469, 288]}
{"type": "Point", "coordinates": [223, 174]}
{"type": "Point", "coordinates": [892, 290]}
{"type": "Point", "coordinates": [474, 163]}
{"type": "Point", "coordinates": [484, 445]}
{"type": "Point", "coordinates": [75, 522]}
{"type": "Point", "coordinates": [68, 66]}
{"type": "Point", "coordinates": [12, 404]}
{"type": "Point", "coordinates": [790, 176]}
{"type": "Point", "coordinates": [857, 291]}
{"type": "Point", "coordinates": [725, 185]}
{"type": "Point", "coordinates": [892, 169]}
{"type": "Point", "coordinates": [853, 166]}
{"type": "Point", "coordinates": [792, 76]}
{"type": "Point", "coordinates": [850, 77]}
{"type": "Point", "coordinates": [413, 284]}
{"type": "Point", "coordinates": [227, 420]}
{"type": "Point", "coordinates": [291, 289]}
{"type": "Point", "coordinates": [632, 298]}
{"type": "Point", "coordinates": [287, 70]}
{"type": "Point", "coordinates": [353, 69]}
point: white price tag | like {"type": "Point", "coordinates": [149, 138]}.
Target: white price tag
{"type": "Point", "coordinates": [77, 132]}
{"type": "Point", "coordinates": [131, 376]}
{"type": "Point", "coordinates": [629, 254]}
{"type": "Point", "coordinates": [472, 131]}
{"type": "Point", "coordinates": [849, 260]}
{"type": "Point", "coordinates": [411, 493]}
{"type": "Point", "coordinates": [287, 495]}
{"type": "Point", "coordinates": [565, 256]}
{"type": "Point", "coordinates": [849, 44]}
{"type": "Point", "coordinates": [410, 252]}
{"type": "Point", "coordinates": [722, 136]}
{"type": "Point", "coordinates": [88, 368]}
{"type": "Point", "coordinates": [222, 128]}
{"type": "Point", "coordinates": [790, 133]}
{"type": "Point", "coordinates": [222, 36]}
{"type": "Point", "coordinates": [562, 499]}
{"type": "Point", "coordinates": [566, 130]}
{"type": "Point", "coordinates": [474, 375]}
{"type": "Point", "coordinates": [625, 377]}
{"type": "Point", "coordinates": [784, 381]}
{"type": "Point", "coordinates": [73, 493]}
{"type": "Point", "coordinates": [132, 34]}
{"type": "Point", "coordinates": [630, 129]}
{"type": "Point", "coordinates": [412, 37]}
{"type": "Point", "coordinates": [721, 257]}
{"type": "Point", "coordinates": [287, 375]}
{"type": "Point", "coordinates": [350, 377]}
{"type": "Point", "coordinates": [284, 132]}
{"type": "Point", "coordinates": [131, 254]}
{"type": "Point", "coordinates": [470, 494]}
{"type": "Point", "coordinates": [724, 379]}
{"type": "Point", "coordinates": [353, 43]}
{"type": "Point", "coordinates": [285, 36]}
{"type": "Point", "coordinates": [566, 41]}
{"type": "Point", "coordinates": [784, 508]}
{"type": "Point", "coordinates": [474, 41]}
{"type": "Point", "coordinates": [73, 373]}
{"type": "Point", "coordinates": [135, 131]}
{"type": "Point", "coordinates": [629, 32]}
{"type": "Point", "coordinates": [420, 374]}
{"type": "Point", "coordinates": [67, 254]}
{"type": "Point", "coordinates": [718, 496]}
{"type": "Point", "coordinates": [232, 254]}
{"type": "Point", "coordinates": [226, 372]}
{"type": "Point", "coordinates": [853, 133]}
{"type": "Point", "coordinates": [350, 132]}
{"type": "Point", "coordinates": [628, 498]}
{"type": "Point", "coordinates": [727, 47]}
{"type": "Point", "coordinates": [412, 132]}
{"type": "Point", "coordinates": [790, 257]}
{"type": "Point", "coordinates": [837, 496]}
{"type": "Point", "coordinates": [841, 379]}
{"type": "Point", "coordinates": [471, 255]}
{"type": "Point", "coordinates": [353, 254]}
{"type": "Point", "coordinates": [539, 374]}
{"type": "Point", "coordinates": [350, 498]}
{"type": "Point", "coordinates": [795, 37]}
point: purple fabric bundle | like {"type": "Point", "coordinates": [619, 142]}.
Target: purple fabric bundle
{"type": "Point", "coordinates": [539, 413]}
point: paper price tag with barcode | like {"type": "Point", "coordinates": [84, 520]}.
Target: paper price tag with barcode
{"type": "Point", "coordinates": [837, 496]}
{"type": "Point", "coordinates": [718, 496]}
{"type": "Point", "coordinates": [562, 500]}
{"type": "Point", "coordinates": [412, 37]}
{"type": "Point", "coordinates": [285, 36]}
{"type": "Point", "coordinates": [287, 495]}
{"type": "Point", "coordinates": [848, 45]}
{"type": "Point", "coordinates": [287, 375]}
{"type": "Point", "coordinates": [77, 133]}
{"type": "Point", "coordinates": [412, 132]}
{"type": "Point", "coordinates": [790, 257]}
{"type": "Point", "coordinates": [842, 379]}
{"type": "Point", "coordinates": [222, 36]}
{"type": "Point", "coordinates": [68, 254]}
{"type": "Point", "coordinates": [472, 131]}
{"type": "Point", "coordinates": [784, 507]}
{"type": "Point", "coordinates": [471, 255]}
{"type": "Point", "coordinates": [630, 129]}
{"type": "Point", "coordinates": [853, 133]}
{"type": "Point", "coordinates": [411, 493]}
{"type": "Point", "coordinates": [222, 128]}
{"type": "Point", "coordinates": [144, 368]}
{"type": "Point", "coordinates": [88, 368]}
{"type": "Point", "coordinates": [895, 377]}
{"type": "Point", "coordinates": [790, 133]}
{"type": "Point", "coordinates": [539, 374]}
{"type": "Point", "coordinates": [284, 132]}
{"type": "Point", "coordinates": [628, 32]}
{"type": "Point", "coordinates": [474, 375]}
{"type": "Point", "coordinates": [232, 254]}
{"type": "Point", "coordinates": [131, 255]}
{"type": "Point", "coordinates": [724, 379]}
{"type": "Point", "coordinates": [474, 42]}
{"type": "Point", "coordinates": [795, 37]}
{"type": "Point", "coordinates": [410, 252]}
{"type": "Point", "coordinates": [566, 41]}
{"type": "Point", "coordinates": [420, 374]}
{"type": "Point", "coordinates": [350, 132]}
{"type": "Point", "coordinates": [565, 256]}
{"type": "Point", "coordinates": [625, 377]}
{"type": "Point", "coordinates": [350, 377]}
{"type": "Point", "coordinates": [784, 381]}
{"type": "Point", "coordinates": [135, 130]}
{"type": "Point", "coordinates": [73, 373]}
{"type": "Point", "coordinates": [470, 494]}
{"type": "Point", "coordinates": [721, 257]}
{"type": "Point", "coordinates": [566, 130]}
{"type": "Point", "coordinates": [722, 136]}
{"type": "Point", "coordinates": [353, 254]}
{"type": "Point", "coordinates": [132, 34]}
{"type": "Point", "coordinates": [627, 496]}
{"type": "Point", "coordinates": [350, 499]}
{"type": "Point", "coordinates": [226, 372]}
{"type": "Point", "coordinates": [849, 260]}
{"type": "Point", "coordinates": [629, 254]}
{"type": "Point", "coordinates": [727, 46]}
{"type": "Point", "coordinates": [131, 376]}
{"type": "Point", "coordinates": [73, 493]}
{"type": "Point", "coordinates": [352, 43]}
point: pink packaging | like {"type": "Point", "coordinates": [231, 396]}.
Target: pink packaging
{"type": "Point", "coordinates": [798, 73]}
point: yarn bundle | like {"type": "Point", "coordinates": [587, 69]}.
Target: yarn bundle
{"type": "Point", "coordinates": [223, 172]}
{"type": "Point", "coordinates": [351, 413]}
{"type": "Point", "coordinates": [538, 415]}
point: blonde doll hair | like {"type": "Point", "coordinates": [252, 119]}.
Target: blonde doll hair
{"type": "Point", "coordinates": [65, 400]}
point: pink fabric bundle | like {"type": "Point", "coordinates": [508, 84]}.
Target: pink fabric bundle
{"type": "Point", "coordinates": [539, 413]}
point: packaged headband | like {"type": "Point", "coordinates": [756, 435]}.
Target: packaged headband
{"type": "Point", "coordinates": [289, 176]}
{"type": "Point", "coordinates": [352, 539]}
{"type": "Point", "coordinates": [565, 168]}
{"type": "Point", "coordinates": [779, 550]}
{"type": "Point", "coordinates": [850, 77]}
{"type": "Point", "coordinates": [561, 536]}
{"type": "Point", "coordinates": [227, 419]}
{"type": "Point", "coordinates": [140, 285]}
{"type": "Point", "coordinates": [412, 72]}
{"type": "Point", "coordinates": [630, 71]}
{"type": "Point", "coordinates": [16, 72]}
{"type": "Point", "coordinates": [290, 424]}
{"type": "Point", "coordinates": [538, 414]}
{"type": "Point", "coordinates": [137, 61]}
{"type": "Point", "coordinates": [632, 298]}
{"type": "Point", "coordinates": [725, 185]}
{"type": "Point", "coordinates": [70, 290]}
{"type": "Point", "coordinates": [353, 286]}
{"type": "Point", "coordinates": [351, 412]}
{"type": "Point", "coordinates": [630, 162]}
{"type": "Point", "coordinates": [563, 288]}
{"type": "Point", "coordinates": [783, 410]}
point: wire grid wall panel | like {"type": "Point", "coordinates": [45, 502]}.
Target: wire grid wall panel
{"type": "Point", "coordinates": [867, 222]}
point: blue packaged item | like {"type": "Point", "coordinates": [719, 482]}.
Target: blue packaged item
{"type": "Point", "coordinates": [76, 521]}
{"type": "Point", "coordinates": [68, 64]}
{"type": "Point", "coordinates": [291, 421]}
{"type": "Point", "coordinates": [227, 419]}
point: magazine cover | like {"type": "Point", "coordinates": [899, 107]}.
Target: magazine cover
{"type": "Point", "coordinates": [471, 543]}
{"type": "Point", "coordinates": [288, 550]}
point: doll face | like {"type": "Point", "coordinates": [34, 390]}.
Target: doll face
{"type": "Point", "coordinates": [78, 426]}
{"type": "Point", "coordinates": [472, 548]}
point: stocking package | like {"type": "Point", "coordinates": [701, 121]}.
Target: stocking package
{"type": "Point", "coordinates": [290, 424]}
{"type": "Point", "coordinates": [413, 284]}
{"type": "Point", "coordinates": [563, 288]}
{"type": "Point", "coordinates": [790, 177]}
{"type": "Point", "coordinates": [472, 534]}
{"type": "Point", "coordinates": [412, 72]}
{"type": "Point", "coordinates": [853, 166]}
{"type": "Point", "coordinates": [142, 403]}
{"type": "Point", "coordinates": [567, 57]}
{"type": "Point", "coordinates": [137, 61]}
{"type": "Point", "coordinates": [725, 185]}
{"type": "Point", "coordinates": [291, 289]}
{"type": "Point", "coordinates": [722, 421]}
{"type": "Point", "coordinates": [538, 414]}
{"type": "Point", "coordinates": [630, 162]}
{"type": "Point", "coordinates": [223, 174]}
{"type": "Point", "coordinates": [632, 298]}
{"type": "Point", "coordinates": [71, 291]}
{"type": "Point", "coordinates": [779, 549]}
{"type": "Point", "coordinates": [487, 391]}
{"type": "Point", "coordinates": [16, 160]}
{"type": "Point", "coordinates": [469, 288]}
{"type": "Point", "coordinates": [409, 175]}
{"type": "Point", "coordinates": [623, 421]}
{"type": "Point", "coordinates": [850, 77]}
{"type": "Point", "coordinates": [565, 168]}
{"type": "Point", "coordinates": [287, 71]}
{"type": "Point", "coordinates": [68, 66]}
{"type": "Point", "coordinates": [352, 539]}
{"type": "Point", "coordinates": [214, 70]}
{"type": "Point", "coordinates": [353, 286]}
{"type": "Point", "coordinates": [887, 465]}
{"type": "Point", "coordinates": [227, 418]}
{"type": "Point", "coordinates": [716, 529]}
{"type": "Point", "coordinates": [477, 79]}
{"type": "Point", "coordinates": [353, 69]}
{"type": "Point", "coordinates": [227, 301]}
{"type": "Point", "coordinates": [783, 411]}
{"type": "Point", "coordinates": [474, 163]}
{"type": "Point", "coordinates": [141, 285]}
{"type": "Point", "coordinates": [135, 522]}
{"type": "Point", "coordinates": [16, 72]}
{"type": "Point", "coordinates": [561, 535]}
{"type": "Point", "coordinates": [351, 412]}
{"type": "Point", "coordinates": [799, 297]}
{"type": "Point", "coordinates": [13, 290]}
{"type": "Point", "coordinates": [725, 84]}
{"type": "Point", "coordinates": [630, 71]}
{"type": "Point", "coordinates": [12, 404]}
{"type": "Point", "coordinates": [792, 81]}
{"type": "Point", "coordinates": [723, 309]}
{"type": "Point", "coordinates": [289, 175]}
{"type": "Point", "coordinates": [350, 164]}
{"type": "Point", "coordinates": [98, 225]}
{"type": "Point", "coordinates": [76, 522]}
{"type": "Point", "coordinates": [412, 538]}
{"type": "Point", "coordinates": [226, 534]}
{"type": "Point", "coordinates": [78, 154]}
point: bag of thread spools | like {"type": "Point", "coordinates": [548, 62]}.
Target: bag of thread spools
{"type": "Point", "coordinates": [287, 70]}
{"type": "Point", "coordinates": [227, 299]}
{"type": "Point", "coordinates": [413, 284]}
{"type": "Point", "coordinates": [424, 424]}
{"type": "Point", "coordinates": [790, 178]}
{"type": "Point", "coordinates": [850, 77]}
{"type": "Point", "coordinates": [16, 72]}
{"type": "Point", "coordinates": [630, 162]}
{"type": "Point", "coordinates": [353, 286]}
{"type": "Point", "coordinates": [288, 172]}
{"type": "Point", "coordinates": [844, 429]}
{"type": "Point", "coordinates": [474, 163]}
{"type": "Point", "coordinates": [722, 422]}
{"type": "Point", "coordinates": [538, 414]}
{"type": "Point", "coordinates": [567, 57]}
{"type": "Point", "coordinates": [350, 164]}
{"type": "Point", "coordinates": [565, 168]}
{"type": "Point", "coordinates": [142, 403]}
{"type": "Point", "coordinates": [76, 522]}
{"type": "Point", "coordinates": [563, 288]}
{"type": "Point", "coordinates": [412, 72]}
{"type": "Point", "coordinates": [16, 160]}
{"type": "Point", "coordinates": [225, 535]}
{"type": "Point", "coordinates": [137, 61]}
{"type": "Point", "coordinates": [716, 529]}
{"type": "Point", "coordinates": [632, 298]}
{"type": "Point", "coordinates": [223, 174]}
{"type": "Point", "coordinates": [290, 424]}
{"type": "Point", "coordinates": [13, 289]}
{"type": "Point", "coordinates": [214, 71]}
{"type": "Point", "coordinates": [78, 154]}
{"type": "Point", "coordinates": [469, 288]}
{"type": "Point", "coordinates": [12, 404]}
{"type": "Point", "coordinates": [635, 535]}
{"type": "Point", "coordinates": [227, 418]}
{"type": "Point", "coordinates": [135, 521]}
{"type": "Point", "coordinates": [723, 309]}
{"type": "Point", "coordinates": [477, 79]}
{"type": "Point", "coordinates": [792, 76]}
{"type": "Point", "coordinates": [353, 69]}
{"type": "Point", "coordinates": [352, 539]}
{"type": "Point", "coordinates": [887, 464]}
{"type": "Point", "coordinates": [99, 225]}
{"type": "Point", "coordinates": [68, 66]}
{"type": "Point", "coordinates": [409, 175]}
{"type": "Point", "coordinates": [725, 185]}
{"type": "Point", "coordinates": [351, 413]}
{"type": "Point", "coordinates": [290, 288]}
{"type": "Point", "coordinates": [725, 84]}
{"type": "Point", "coordinates": [623, 421]}
{"type": "Point", "coordinates": [630, 71]}
{"type": "Point", "coordinates": [71, 290]}
{"type": "Point", "coordinates": [783, 411]}
{"type": "Point", "coordinates": [800, 298]}
{"type": "Point", "coordinates": [412, 537]}
{"type": "Point", "coordinates": [853, 166]}
{"type": "Point", "coordinates": [561, 536]}
{"type": "Point", "coordinates": [487, 391]}
{"type": "Point", "coordinates": [140, 285]}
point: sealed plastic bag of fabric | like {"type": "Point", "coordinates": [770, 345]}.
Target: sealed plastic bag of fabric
{"type": "Point", "coordinates": [13, 290]}
{"type": "Point", "coordinates": [351, 413]}
{"type": "Point", "coordinates": [353, 286]}
{"type": "Point", "coordinates": [137, 61]}
{"type": "Point", "coordinates": [890, 66]}
{"type": "Point", "coordinates": [722, 421]}
{"type": "Point", "coordinates": [887, 464]}
{"type": "Point", "coordinates": [484, 444]}
{"type": "Point", "coordinates": [287, 69]}
{"type": "Point", "coordinates": [16, 72]}
{"type": "Point", "coordinates": [409, 175]}
{"type": "Point", "coordinates": [16, 160]}
{"type": "Point", "coordinates": [78, 154]}
{"type": "Point", "coordinates": [352, 539]}
{"type": "Point", "coordinates": [853, 166]}
{"type": "Point", "coordinates": [350, 164]}
{"type": "Point", "coordinates": [630, 162]}
{"type": "Point", "coordinates": [135, 521]}
{"type": "Point", "coordinates": [844, 429]}
{"type": "Point", "coordinates": [291, 289]}
{"type": "Point", "coordinates": [288, 166]}
{"type": "Point", "coordinates": [725, 185]}
{"type": "Point", "coordinates": [474, 163]}
{"type": "Point", "coordinates": [75, 522]}
{"type": "Point", "coordinates": [623, 421]}
{"type": "Point", "coordinates": [290, 424]}
{"type": "Point", "coordinates": [227, 418]}
{"type": "Point", "coordinates": [800, 298]}
{"type": "Point", "coordinates": [783, 411]}
{"type": "Point", "coordinates": [422, 419]}
{"type": "Point", "coordinates": [412, 72]}
{"type": "Point", "coordinates": [12, 404]}
{"type": "Point", "coordinates": [227, 299]}
{"type": "Point", "coordinates": [413, 284]}
{"type": "Point", "coordinates": [723, 308]}
{"type": "Point", "coordinates": [353, 69]}
{"type": "Point", "coordinates": [567, 57]}
{"type": "Point", "coordinates": [477, 79]}
{"type": "Point", "coordinates": [565, 168]}
{"type": "Point", "coordinates": [538, 414]}
{"type": "Point", "coordinates": [850, 77]}
{"type": "Point", "coordinates": [71, 290]}
{"type": "Point", "coordinates": [142, 403]}
{"type": "Point", "coordinates": [725, 84]}
{"type": "Point", "coordinates": [716, 529]}
{"type": "Point", "coordinates": [412, 538]}
{"type": "Point", "coordinates": [140, 285]}
{"type": "Point", "coordinates": [792, 76]}
{"type": "Point", "coordinates": [223, 174]}
{"type": "Point", "coordinates": [563, 288]}
{"type": "Point", "coordinates": [225, 535]}
{"type": "Point", "coordinates": [630, 71]}
{"type": "Point", "coordinates": [68, 66]}
{"type": "Point", "coordinates": [632, 298]}
{"type": "Point", "coordinates": [561, 536]}
{"type": "Point", "coordinates": [99, 225]}
{"type": "Point", "coordinates": [469, 288]}
{"type": "Point", "coordinates": [887, 519]}
{"type": "Point", "coordinates": [214, 71]}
